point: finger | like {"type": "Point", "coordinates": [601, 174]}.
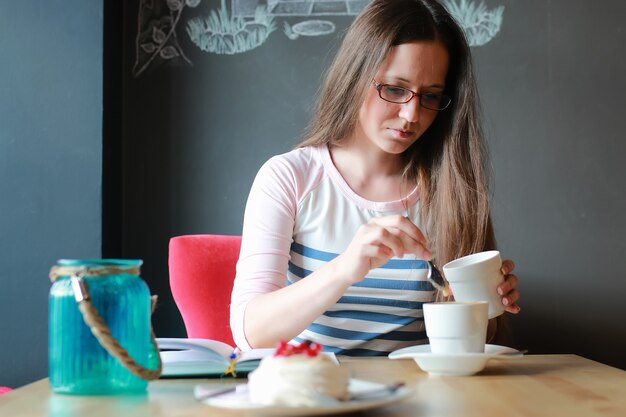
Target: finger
{"type": "Point", "coordinates": [381, 236]}
{"type": "Point", "coordinates": [412, 237]}
{"type": "Point", "coordinates": [513, 309]}
{"type": "Point", "coordinates": [411, 245]}
{"type": "Point", "coordinates": [510, 298]}
{"type": "Point", "coordinates": [405, 225]}
{"type": "Point", "coordinates": [509, 283]}
{"type": "Point", "coordinates": [378, 255]}
{"type": "Point", "coordinates": [507, 266]}
{"type": "Point", "coordinates": [377, 251]}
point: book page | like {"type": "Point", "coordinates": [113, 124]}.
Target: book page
{"type": "Point", "coordinates": [183, 357]}
{"type": "Point", "coordinates": [219, 348]}
{"type": "Point", "coordinates": [255, 354]}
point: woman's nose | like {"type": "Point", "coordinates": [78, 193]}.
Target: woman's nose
{"type": "Point", "coordinates": [411, 111]}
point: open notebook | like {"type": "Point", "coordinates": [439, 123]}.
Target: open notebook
{"type": "Point", "coordinates": [205, 358]}
{"type": "Point", "coordinates": [183, 357]}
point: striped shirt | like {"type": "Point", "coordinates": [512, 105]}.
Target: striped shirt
{"type": "Point", "coordinates": [301, 214]}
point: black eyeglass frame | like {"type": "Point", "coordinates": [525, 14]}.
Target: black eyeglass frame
{"type": "Point", "coordinates": [444, 98]}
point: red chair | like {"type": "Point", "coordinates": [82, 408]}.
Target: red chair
{"type": "Point", "coordinates": [202, 271]}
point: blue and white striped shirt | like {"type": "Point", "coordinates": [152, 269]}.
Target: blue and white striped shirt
{"type": "Point", "coordinates": [300, 215]}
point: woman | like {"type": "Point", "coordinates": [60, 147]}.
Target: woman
{"type": "Point", "coordinates": [391, 173]}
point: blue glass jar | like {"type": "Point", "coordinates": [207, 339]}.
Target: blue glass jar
{"type": "Point", "coordinates": [109, 295]}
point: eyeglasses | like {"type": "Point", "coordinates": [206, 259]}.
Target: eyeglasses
{"type": "Point", "coordinates": [401, 95]}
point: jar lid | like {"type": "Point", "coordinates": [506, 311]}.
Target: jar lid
{"type": "Point", "coordinates": [94, 267]}
{"type": "Point", "coordinates": [98, 263]}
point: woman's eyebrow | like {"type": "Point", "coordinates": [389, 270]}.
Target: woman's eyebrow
{"type": "Point", "coordinates": [436, 85]}
{"type": "Point", "coordinates": [404, 80]}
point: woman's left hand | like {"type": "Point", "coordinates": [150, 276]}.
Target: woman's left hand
{"type": "Point", "coordinates": [508, 288]}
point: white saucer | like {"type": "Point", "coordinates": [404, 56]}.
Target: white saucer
{"type": "Point", "coordinates": [460, 364]}
{"type": "Point", "coordinates": [239, 400]}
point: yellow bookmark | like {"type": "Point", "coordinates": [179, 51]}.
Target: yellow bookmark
{"type": "Point", "coordinates": [231, 365]}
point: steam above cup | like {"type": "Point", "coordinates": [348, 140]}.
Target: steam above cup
{"type": "Point", "coordinates": [476, 278]}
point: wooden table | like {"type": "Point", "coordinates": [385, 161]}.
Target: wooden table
{"type": "Point", "coordinates": [535, 385]}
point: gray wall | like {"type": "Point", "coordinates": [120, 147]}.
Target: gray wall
{"type": "Point", "coordinates": [50, 164]}
{"type": "Point", "coordinates": [554, 100]}
{"type": "Point", "coordinates": [554, 91]}
{"type": "Point", "coordinates": [194, 137]}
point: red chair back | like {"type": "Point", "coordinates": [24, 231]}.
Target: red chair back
{"type": "Point", "coordinates": [202, 271]}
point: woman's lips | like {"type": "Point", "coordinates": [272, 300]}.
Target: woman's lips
{"type": "Point", "coordinates": [401, 133]}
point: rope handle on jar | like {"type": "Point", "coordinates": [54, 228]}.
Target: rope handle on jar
{"type": "Point", "coordinates": [97, 325]}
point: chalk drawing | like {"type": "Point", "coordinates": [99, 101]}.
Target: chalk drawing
{"type": "Point", "coordinates": [301, 7]}
{"type": "Point", "coordinates": [309, 28]}
{"type": "Point", "coordinates": [157, 41]}
{"type": "Point", "coordinates": [247, 24]}
{"type": "Point", "coordinates": [479, 23]}
{"type": "Point", "coordinates": [228, 34]}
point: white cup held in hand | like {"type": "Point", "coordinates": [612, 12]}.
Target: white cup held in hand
{"type": "Point", "coordinates": [476, 278]}
{"type": "Point", "coordinates": [456, 327]}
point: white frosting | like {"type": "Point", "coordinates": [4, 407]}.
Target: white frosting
{"type": "Point", "coordinates": [298, 380]}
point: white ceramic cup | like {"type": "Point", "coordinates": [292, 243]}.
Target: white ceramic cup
{"type": "Point", "coordinates": [456, 327]}
{"type": "Point", "coordinates": [476, 278]}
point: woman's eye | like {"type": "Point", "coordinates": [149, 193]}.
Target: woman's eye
{"type": "Point", "coordinates": [431, 98]}
{"type": "Point", "coordinates": [392, 91]}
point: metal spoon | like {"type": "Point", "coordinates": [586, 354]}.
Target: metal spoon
{"type": "Point", "coordinates": [436, 278]}
{"type": "Point", "coordinates": [376, 392]}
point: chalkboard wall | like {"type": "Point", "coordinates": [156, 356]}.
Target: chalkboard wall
{"type": "Point", "coordinates": [197, 129]}
{"type": "Point", "coordinates": [50, 164]}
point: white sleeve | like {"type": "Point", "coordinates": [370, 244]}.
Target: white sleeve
{"type": "Point", "coordinates": [266, 239]}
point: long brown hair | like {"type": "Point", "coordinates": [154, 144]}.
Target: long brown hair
{"type": "Point", "coordinates": [448, 161]}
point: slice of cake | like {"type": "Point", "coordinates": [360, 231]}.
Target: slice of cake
{"type": "Point", "coordinates": [298, 375]}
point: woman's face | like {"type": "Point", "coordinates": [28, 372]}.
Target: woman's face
{"type": "Point", "coordinates": [391, 127]}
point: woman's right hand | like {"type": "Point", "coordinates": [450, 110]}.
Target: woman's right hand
{"type": "Point", "coordinates": [378, 241]}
